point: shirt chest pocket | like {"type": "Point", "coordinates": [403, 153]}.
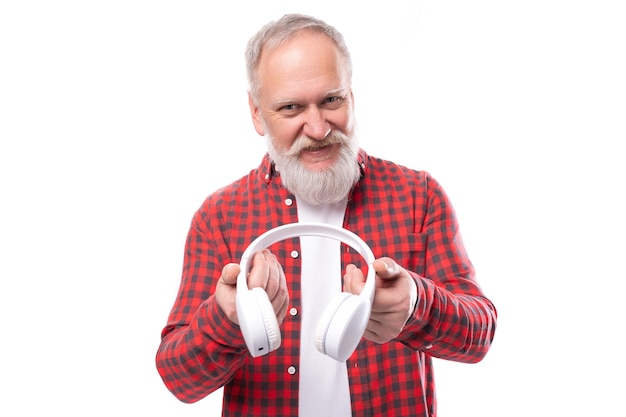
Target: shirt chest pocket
{"type": "Point", "coordinates": [408, 250]}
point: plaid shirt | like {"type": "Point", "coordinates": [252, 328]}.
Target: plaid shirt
{"type": "Point", "coordinates": [400, 213]}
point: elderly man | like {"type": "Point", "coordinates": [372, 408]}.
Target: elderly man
{"type": "Point", "coordinates": [426, 301]}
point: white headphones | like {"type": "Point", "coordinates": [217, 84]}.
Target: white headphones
{"type": "Point", "coordinates": [342, 323]}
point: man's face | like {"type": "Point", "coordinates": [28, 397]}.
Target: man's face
{"type": "Point", "coordinates": [304, 94]}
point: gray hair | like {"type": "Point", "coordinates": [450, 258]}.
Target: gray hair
{"type": "Point", "coordinates": [277, 32]}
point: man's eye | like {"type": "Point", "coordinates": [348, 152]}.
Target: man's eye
{"type": "Point", "coordinates": [288, 107]}
{"type": "Point", "coordinates": [334, 100]}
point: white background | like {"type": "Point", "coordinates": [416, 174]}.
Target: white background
{"type": "Point", "coordinates": [117, 118]}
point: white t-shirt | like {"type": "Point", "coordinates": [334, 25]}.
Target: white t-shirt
{"type": "Point", "coordinates": [324, 387]}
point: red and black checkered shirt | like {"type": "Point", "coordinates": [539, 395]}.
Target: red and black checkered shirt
{"type": "Point", "coordinates": [400, 213]}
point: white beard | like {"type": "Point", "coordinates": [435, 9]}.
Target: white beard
{"type": "Point", "coordinates": [318, 187]}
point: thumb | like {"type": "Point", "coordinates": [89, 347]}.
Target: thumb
{"type": "Point", "coordinates": [230, 272]}
{"type": "Point", "coordinates": [386, 268]}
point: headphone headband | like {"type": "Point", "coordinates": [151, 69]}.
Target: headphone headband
{"type": "Point", "coordinates": [291, 230]}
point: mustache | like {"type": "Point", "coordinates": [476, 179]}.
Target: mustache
{"type": "Point", "coordinates": [304, 142]}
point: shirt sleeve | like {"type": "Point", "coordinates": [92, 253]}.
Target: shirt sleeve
{"type": "Point", "coordinates": [200, 347]}
{"type": "Point", "coordinates": [452, 318]}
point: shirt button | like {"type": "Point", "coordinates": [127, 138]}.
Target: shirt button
{"type": "Point", "coordinates": [294, 254]}
{"type": "Point", "coordinates": [293, 311]}
{"type": "Point", "coordinates": [288, 202]}
{"type": "Point", "coordinates": [291, 370]}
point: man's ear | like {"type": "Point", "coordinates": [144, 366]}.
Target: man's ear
{"type": "Point", "coordinates": [255, 112]}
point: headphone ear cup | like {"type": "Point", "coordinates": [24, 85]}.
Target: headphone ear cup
{"type": "Point", "coordinates": [272, 329]}
{"type": "Point", "coordinates": [342, 325]}
{"type": "Point", "coordinates": [257, 321]}
{"type": "Point", "coordinates": [324, 322]}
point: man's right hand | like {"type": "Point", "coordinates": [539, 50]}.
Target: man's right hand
{"type": "Point", "coordinates": [266, 273]}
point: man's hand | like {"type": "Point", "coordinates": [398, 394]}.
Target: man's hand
{"type": "Point", "coordinates": [394, 298]}
{"type": "Point", "coordinates": [266, 273]}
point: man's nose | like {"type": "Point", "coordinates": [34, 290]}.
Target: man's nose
{"type": "Point", "coordinates": [315, 125]}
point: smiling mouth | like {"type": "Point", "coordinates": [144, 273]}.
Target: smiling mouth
{"type": "Point", "coordinates": [316, 148]}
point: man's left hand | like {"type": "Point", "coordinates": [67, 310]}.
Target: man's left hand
{"type": "Point", "coordinates": [394, 298]}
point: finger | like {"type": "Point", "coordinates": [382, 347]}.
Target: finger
{"type": "Point", "coordinates": [280, 300]}
{"type": "Point", "coordinates": [230, 272]}
{"type": "Point", "coordinates": [258, 275]}
{"type": "Point", "coordinates": [226, 290]}
{"type": "Point", "coordinates": [383, 327]}
{"type": "Point", "coordinates": [372, 333]}
{"type": "Point", "coordinates": [273, 276]}
{"type": "Point", "coordinates": [353, 280]}
{"type": "Point", "coordinates": [376, 337]}
{"type": "Point", "coordinates": [280, 305]}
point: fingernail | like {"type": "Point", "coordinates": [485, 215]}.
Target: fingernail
{"type": "Point", "coordinates": [389, 268]}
